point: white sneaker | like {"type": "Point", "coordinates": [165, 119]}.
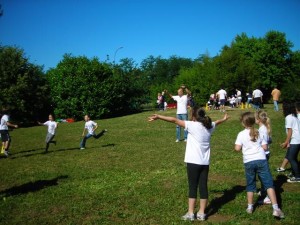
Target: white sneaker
{"type": "Point", "coordinates": [82, 148]}
{"type": "Point", "coordinates": [278, 213]}
{"type": "Point", "coordinates": [201, 217]}
{"type": "Point", "coordinates": [267, 201]}
{"type": "Point", "coordinates": [249, 210]}
{"type": "Point", "coordinates": [177, 140]}
{"type": "Point", "coordinates": [188, 217]}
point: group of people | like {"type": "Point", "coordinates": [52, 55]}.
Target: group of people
{"type": "Point", "coordinates": [254, 144]}
{"type": "Point", "coordinates": [88, 131]}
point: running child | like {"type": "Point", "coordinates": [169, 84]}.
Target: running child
{"type": "Point", "coordinates": [52, 125]}
{"type": "Point", "coordinates": [255, 162]}
{"type": "Point", "coordinates": [90, 126]}
{"type": "Point", "coordinates": [197, 156]}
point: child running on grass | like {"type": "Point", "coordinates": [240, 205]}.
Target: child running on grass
{"type": "Point", "coordinates": [52, 125]}
{"type": "Point", "coordinates": [90, 126]}
{"type": "Point", "coordinates": [197, 156]}
{"type": "Point", "coordinates": [255, 162]}
{"type": "Point", "coordinates": [264, 131]}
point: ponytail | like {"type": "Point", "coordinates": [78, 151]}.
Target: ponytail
{"type": "Point", "coordinates": [200, 116]}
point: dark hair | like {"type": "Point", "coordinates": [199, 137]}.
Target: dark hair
{"type": "Point", "coordinates": [200, 116]}
{"type": "Point", "coordinates": [297, 105]}
{"type": "Point", "coordinates": [289, 108]}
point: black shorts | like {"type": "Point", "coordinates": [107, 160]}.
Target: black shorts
{"type": "Point", "coordinates": [4, 135]}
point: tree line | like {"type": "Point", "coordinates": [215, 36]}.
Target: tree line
{"type": "Point", "coordinates": [79, 85]}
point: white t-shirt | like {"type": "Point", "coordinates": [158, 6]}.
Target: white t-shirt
{"type": "Point", "coordinates": [51, 126]}
{"type": "Point", "coordinates": [293, 123]}
{"type": "Point", "coordinates": [198, 143]}
{"type": "Point", "coordinates": [251, 150]}
{"type": "Point", "coordinates": [222, 94]}
{"type": "Point", "coordinates": [182, 103]}
{"type": "Point", "coordinates": [263, 134]}
{"type": "Point", "coordinates": [89, 125]}
{"type": "Point", "coordinates": [3, 124]}
{"type": "Point", "coordinates": [257, 93]}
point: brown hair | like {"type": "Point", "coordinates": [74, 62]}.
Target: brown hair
{"type": "Point", "coordinates": [248, 121]}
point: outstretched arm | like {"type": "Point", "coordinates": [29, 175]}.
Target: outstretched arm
{"type": "Point", "coordinates": [167, 119]}
{"type": "Point", "coordinates": [226, 117]}
{"type": "Point", "coordinates": [12, 125]}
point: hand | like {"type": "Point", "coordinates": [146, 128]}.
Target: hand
{"type": "Point", "coordinates": [226, 116]}
{"type": "Point", "coordinates": [285, 145]}
{"type": "Point", "coordinates": [153, 117]}
{"type": "Point", "coordinates": [16, 126]}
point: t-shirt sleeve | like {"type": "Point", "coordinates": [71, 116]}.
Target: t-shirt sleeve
{"type": "Point", "coordinates": [238, 140]}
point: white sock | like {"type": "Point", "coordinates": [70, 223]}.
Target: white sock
{"type": "Point", "coordinates": [275, 206]}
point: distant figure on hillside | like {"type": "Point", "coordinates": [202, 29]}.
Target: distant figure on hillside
{"type": "Point", "coordinates": [182, 109]}
{"type": "Point", "coordinates": [238, 98]}
{"type": "Point", "coordinates": [197, 156]}
{"type": "Point", "coordinates": [257, 99]}
{"type": "Point", "coordinates": [90, 126]}
{"type": "Point", "coordinates": [52, 125]}
{"type": "Point", "coordinates": [222, 96]}
{"type": "Point", "coordinates": [4, 124]}
{"type": "Point", "coordinates": [276, 95]}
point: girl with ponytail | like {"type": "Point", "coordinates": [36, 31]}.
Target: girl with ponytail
{"type": "Point", "coordinates": [197, 156]}
{"type": "Point", "coordinates": [255, 162]}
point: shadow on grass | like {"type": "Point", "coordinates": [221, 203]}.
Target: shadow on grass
{"type": "Point", "coordinates": [228, 195]}
{"type": "Point", "coordinates": [32, 186]}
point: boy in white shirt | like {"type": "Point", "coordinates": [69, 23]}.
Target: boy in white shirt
{"type": "Point", "coordinates": [90, 126]}
{"type": "Point", "coordinates": [52, 125]}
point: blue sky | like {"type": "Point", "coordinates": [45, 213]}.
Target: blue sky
{"type": "Point", "coordinates": [47, 29]}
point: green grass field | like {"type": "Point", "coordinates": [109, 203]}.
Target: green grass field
{"type": "Point", "coordinates": [134, 174]}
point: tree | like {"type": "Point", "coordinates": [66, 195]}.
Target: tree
{"type": "Point", "coordinates": [23, 85]}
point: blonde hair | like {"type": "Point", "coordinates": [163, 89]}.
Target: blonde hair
{"type": "Point", "coordinates": [248, 120]}
{"type": "Point", "coordinates": [262, 116]}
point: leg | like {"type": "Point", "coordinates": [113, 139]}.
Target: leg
{"type": "Point", "coordinates": [100, 134]}
{"type": "Point", "coordinates": [293, 159]}
{"type": "Point", "coordinates": [178, 128]}
{"type": "Point", "coordinates": [193, 178]}
{"type": "Point", "coordinates": [82, 144]}
{"type": "Point", "coordinates": [49, 138]}
{"type": "Point", "coordinates": [203, 189]}
{"type": "Point", "coordinates": [185, 117]}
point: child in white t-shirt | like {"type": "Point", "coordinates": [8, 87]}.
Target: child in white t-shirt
{"type": "Point", "coordinates": [52, 125]}
{"type": "Point", "coordinates": [264, 131]}
{"type": "Point", "coordinates": [90, 126]}
{"type": "Point", "coordinates": [255, 162]}
{"type": "Point", "coordinates": [197, 156]}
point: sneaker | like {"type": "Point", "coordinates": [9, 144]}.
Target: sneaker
{"type": "Point", "coordinates": [201, 217]}
{"type": "Point", "coordinates": [290, 175]}
{"type": "Point", "coordinates": [249, 210]}
{"type": "Point", "coordinates": [279, 169]}
{"type": "Point", "coordinates": [82, 148]}
{"type": "Point", "coordinates": [293, 179]}
{"type": "Point", "coordinates": [6, 153]}
{"type": "Point", "coordinates": [278, 213]}
{"type": "Point", "coordinates": [267, 201]}
{"type": "Point", "coordinates": [185, 140]}
{"type": "Point", "coordinates": [189, 217]}
{"type": "Point", "coordinates": [177, 140]}
{"type": "Point", "coordinates": [105, 130]}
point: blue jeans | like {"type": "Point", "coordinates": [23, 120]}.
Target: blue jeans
{"type": "Point", "coordinates": [178, 128]}
{"type": "Point", "coordinates": [276, 108]}
{"type": "Point", "coordinates": [261, 168]}
{"type": "Point", "coordinates": [87, 136]}
{"type": "Point", "coordinates": [292, 156]}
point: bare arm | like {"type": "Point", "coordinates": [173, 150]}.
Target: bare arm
{"type": "Point", "coordinates": [237, 148]}
{"type": "Point", "coordinates": [226, 117]}
{"type": "Point", "coordinates": [83, 132]}
{"type": "Point", "coordinates": [189, 93]}
{"type": "Point", "coordinates": [11, 125]}
{"type": "Point", "coordinates": [171, 96]}
{"type": "Point", "coordinates": [95, 127]}
{"type": "Point", "coordinates": [167, 119]}
{"type": "Point", "coordinates": [288, 138]}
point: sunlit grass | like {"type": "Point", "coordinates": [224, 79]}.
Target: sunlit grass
{"type": "Point", "coordinates": [134, 174]}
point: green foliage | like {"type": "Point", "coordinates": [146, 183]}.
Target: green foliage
{"type": "Point", "coordinates": [24, 90]}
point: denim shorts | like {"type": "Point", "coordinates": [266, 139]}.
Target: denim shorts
{"type": "Point", "coordinates": [260, 168]}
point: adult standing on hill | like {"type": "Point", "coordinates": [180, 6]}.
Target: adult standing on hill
{"type": "Point", "coordinates": [257, 99]}
{"type": "Point", "coordinates": [239, 97]}
{"type": "Point", "coordinates": [276, 95]}
{"type": "Point", "coordinates": [222, 95]}
{"type": "Point", "coordinates": [4, 124]}
{"type": "Point", "coordinates": [182, 109]}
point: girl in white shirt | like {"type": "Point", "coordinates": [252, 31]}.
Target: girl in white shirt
{"type": "Point", "coordinates": [197, 156]}
{"type": "Point", "coordinates": [52, 125]}
{"type": "Point", "coordinates": [255, 162]}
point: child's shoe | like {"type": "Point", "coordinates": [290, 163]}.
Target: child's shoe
{"type": "Point", "coordinates": [188, 217]}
